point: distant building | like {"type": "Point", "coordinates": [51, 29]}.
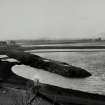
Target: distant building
{"type": "Point", "coordinates": [11, 43]}
{"type": "Point", "coordinates": [7, 43]}
{"type": "Point", "coordinates": [3, 43]}
{"type": "Point", "coordinates": [99, 39]}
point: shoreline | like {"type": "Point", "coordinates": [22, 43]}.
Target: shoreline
{"type": "Point", "coordinates": [73, 97]}
{"type": "Point", "coordinates": [61, 47]}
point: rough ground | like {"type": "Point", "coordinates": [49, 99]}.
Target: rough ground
{"type": "Point", "coordinates": [10, 96]}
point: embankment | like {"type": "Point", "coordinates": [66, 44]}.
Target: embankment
{"type": "Point", "coordinates": [57, 67]}
{"type": "Point", "coordinates": [60, 47]}
{"type": "Point", "coordinates": [73, 97]}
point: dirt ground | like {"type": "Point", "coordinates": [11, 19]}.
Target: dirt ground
{"type": "Point", "coordinates": [19, 97]}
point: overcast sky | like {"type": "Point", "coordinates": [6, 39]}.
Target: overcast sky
{"type": "Point", "coordinates": [34, 19]}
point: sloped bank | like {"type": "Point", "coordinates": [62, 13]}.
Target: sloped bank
{"type": "Point", "coordinates": [57, 67]}
{"type": "Point", "coordinates": [71, 97]}
{"type": "Point", "coordinates": [48, 93]}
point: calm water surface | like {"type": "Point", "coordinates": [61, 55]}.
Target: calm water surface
{"type": "Point", "coordinates": [68, 44]}
{"type": "Point", "coordinates": [93, 62]}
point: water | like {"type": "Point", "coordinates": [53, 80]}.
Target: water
{"type": "Point", "coordinates": [10, 60]}
{"type": "Point", "coordinates": [93, 62]}
{"type": "Point", "coordinates": [92, 84]}
{"type": "Point", "coordinates": [65, 50]}
{"type": "Point", "coordinates": [3, 56]}
{"type": "Point", "coordinates": [67, 44]}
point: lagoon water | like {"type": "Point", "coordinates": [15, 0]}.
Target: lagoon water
{"type": "Point", "coordinates": [91, 84]}
{"type": "Point", "coordinates": [67, 44]}
{"type": "Point", "coordinates": [92, 61]}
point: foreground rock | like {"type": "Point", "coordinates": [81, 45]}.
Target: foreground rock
{"type": "Point", "coordinates": [57, 67]}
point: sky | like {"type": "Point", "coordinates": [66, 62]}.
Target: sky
{"type": "Point", "coordinates": [51, 19]}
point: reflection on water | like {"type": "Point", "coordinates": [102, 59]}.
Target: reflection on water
{"type": "Point", "coordinates": [94, 62]}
